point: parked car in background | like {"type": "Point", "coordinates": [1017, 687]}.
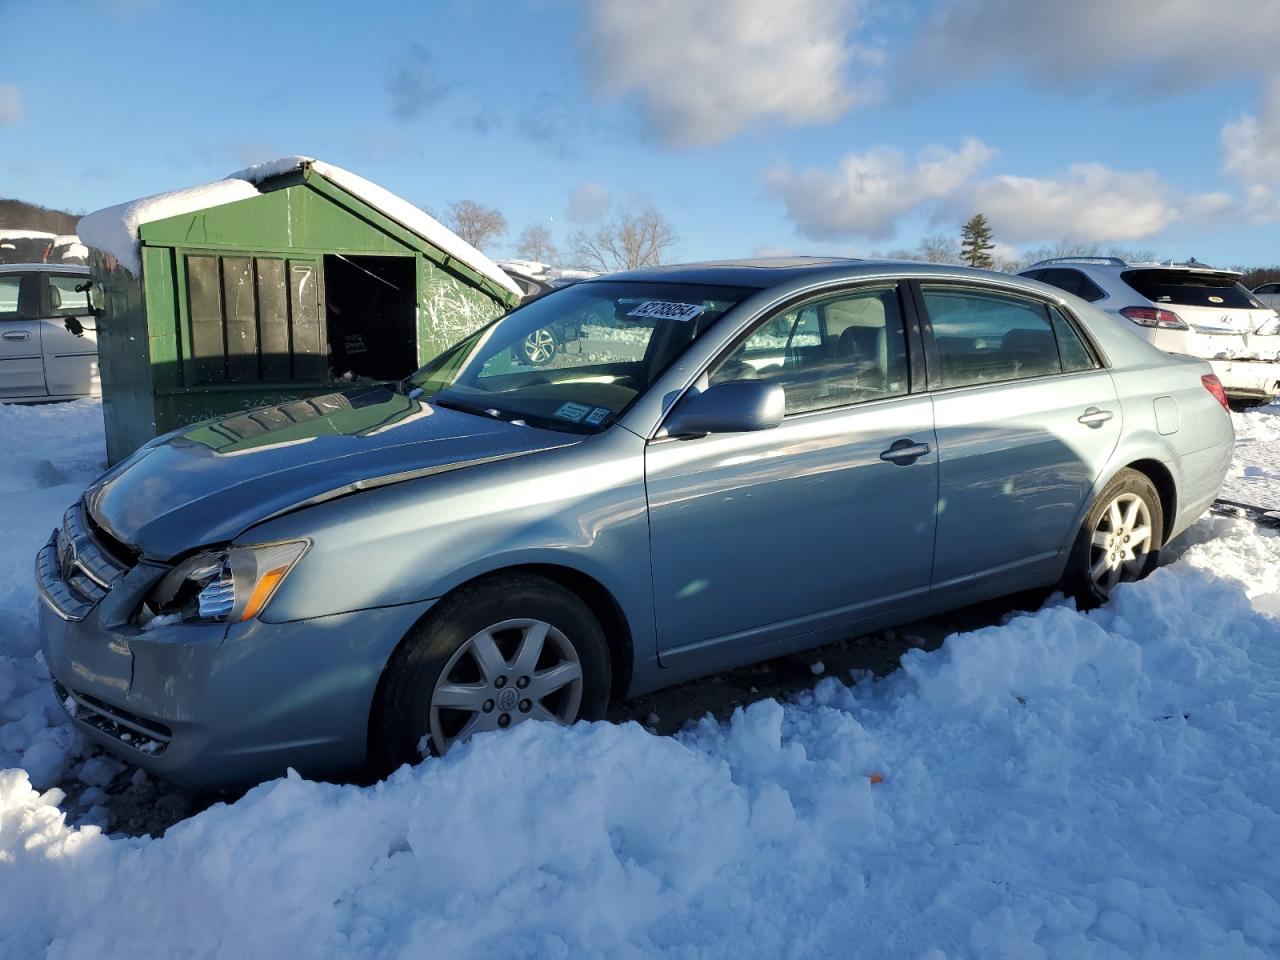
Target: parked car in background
{"type": "Point", "coordinates": [754, 458]}
{"type": "Point", "coordinates": [48, 333]}
{"type": "Point", "coordinates": [1187, 308]}
{"type": "Point", "coordinates": [1268, 294]}
{"type": "Point", "coordinates": [538, 279]}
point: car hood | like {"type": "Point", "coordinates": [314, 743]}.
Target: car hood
{"type": "Point", "coordinates": [206, 484]}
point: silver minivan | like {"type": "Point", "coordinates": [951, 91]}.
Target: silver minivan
{"type": "Point", "coordinates": [48, 333]}
{"type": "Point", "coordinates": [742, 460]}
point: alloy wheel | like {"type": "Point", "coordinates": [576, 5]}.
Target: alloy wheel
{"type": "Point", "coordinates": [1121, 542]}
{"type": "Point", "coordinates": [540, 346]}
{"type": "Point", "coordinates": [510, 672]}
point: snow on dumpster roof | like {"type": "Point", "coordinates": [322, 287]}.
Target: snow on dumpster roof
{"type": "Point", "coordinates": [114, 230]}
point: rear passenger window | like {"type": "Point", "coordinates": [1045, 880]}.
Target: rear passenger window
{"type": "Point", "coordinates": [10, 294]}
{"type": "Point", "coordinates": [1075, 355]}
{"type": "Point", "coordinates": [843, 349]}
{"type": "Point", "coordinates": [64, 299]}
{"type": "Point", "coordinates": [988, 337]}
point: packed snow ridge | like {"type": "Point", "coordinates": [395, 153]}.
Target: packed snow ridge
{"type": "Point", "coordinates": [114, 230]}
{"type": "Point", "coordinates": [1060, 785]}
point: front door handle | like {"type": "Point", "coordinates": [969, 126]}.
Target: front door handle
{"type": "Point", "coordinates": [16, 336]}
{"type": "Point", "coordinates": [1094, 417]}
{"type": "Point", "coordinates": [904, 452]}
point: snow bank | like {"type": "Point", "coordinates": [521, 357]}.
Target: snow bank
{"type": "Point", "coordinates": [51, 452]}
{"type": "Point", "coordinates": [1061, 785]}
{"type": "Point", "coordinates": [115, 229]}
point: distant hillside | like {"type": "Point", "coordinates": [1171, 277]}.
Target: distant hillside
{"type": "Point", "coordinates": [17, 214]}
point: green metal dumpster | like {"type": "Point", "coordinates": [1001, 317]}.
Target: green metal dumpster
{"type": "Point", "coordinates": [286, 280]}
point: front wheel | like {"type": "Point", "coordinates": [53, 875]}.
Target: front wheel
{"type": "Point", "coordinates": [1119, 541]}
{"type": "Point", "coordinates": [494, 654]}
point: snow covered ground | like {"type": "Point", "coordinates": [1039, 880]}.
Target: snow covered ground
{"type": "Point", "coordinates": [1059, 785]}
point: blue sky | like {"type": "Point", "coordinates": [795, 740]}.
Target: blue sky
{"type": "Point", "coordinates": [810, 126]}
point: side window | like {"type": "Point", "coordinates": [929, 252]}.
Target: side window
{"type": "Point", "coordinates": [988, 337]}
{"type": "Point", "coordinates": [64, 301]}
{"type": "Point", "coordinates": [10, 293]}
{"type": "Point", "coordinates": [848, 348]}
{"type": "Point", "coordinates": [1075, 355]}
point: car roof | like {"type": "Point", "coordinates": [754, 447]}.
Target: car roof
{"type": "Point", "coordinates": [44, 268]}
{"type": "Point", "coordinates": [765, 272]}
{"type": "Point", "coordinates": [1109, 264]}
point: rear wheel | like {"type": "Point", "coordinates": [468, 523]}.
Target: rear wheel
{"type": "Point", "coordinates": [494, 654]}
{"type": "Point", "coordinates": [1120, 540]}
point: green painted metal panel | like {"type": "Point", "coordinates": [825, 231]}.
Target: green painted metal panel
{"type": "Point", "coordinates": [230, 311]}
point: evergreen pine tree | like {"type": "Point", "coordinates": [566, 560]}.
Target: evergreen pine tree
{"type": "Point", "coordinates": [975, 242]}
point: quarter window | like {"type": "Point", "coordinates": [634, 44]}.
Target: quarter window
{"type": "Point", "coordinates": [843, 349]}
{"type": "Point", "coordinates": [988, 337]}
{"type": "Point", "coordinates": [1075, 355]}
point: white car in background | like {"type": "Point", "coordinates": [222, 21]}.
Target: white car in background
{"type": "Point", "coordinates": [1186, 308]}
{"type": "Point", "coordinates": [48, 333]}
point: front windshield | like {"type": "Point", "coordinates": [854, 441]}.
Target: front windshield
{"type": "Point", "coordinates": [576, 358]}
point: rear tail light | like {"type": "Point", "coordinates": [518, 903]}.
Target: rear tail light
{"type": "Point", "coordinates": [1214, 386]}
{"type": "Point", "coordinates": [1154, 317]}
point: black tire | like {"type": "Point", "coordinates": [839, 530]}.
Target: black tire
{"type": "Point", "coordinates": [402, 706]}
{"type": "Point", "coordinates": [1079, 580]}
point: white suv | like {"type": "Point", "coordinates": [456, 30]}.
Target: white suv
{"type": "Point", "coordinates": [1186, 308]}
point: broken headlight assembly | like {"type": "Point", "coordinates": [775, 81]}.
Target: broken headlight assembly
{"type": "Point", "coordinates": [221, 586]}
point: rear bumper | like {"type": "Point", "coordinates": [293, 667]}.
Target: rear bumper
{"type": "Point", "coordinates": [1199, 482]}
{"type": "Point", "coordinates": [1248, 379]}
{"type": "Point", "coordinates": [215, 707]}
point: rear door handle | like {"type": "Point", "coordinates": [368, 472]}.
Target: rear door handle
{"type": "Point", "coordinates": [16, 336]}
{"type": "Point", "coordinates": [904, 452]}
{"type": "Point", "coordinates": [1094, 417]}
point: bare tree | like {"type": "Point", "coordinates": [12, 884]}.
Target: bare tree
{"type": "Point", "coordinates": [638, 238]}
{"type": "Point", "coordinates": [939, 248]}
{"type": "Point", "coordinates": [535, 243]}
{"type": "Point", "coordinates": [475, 223]}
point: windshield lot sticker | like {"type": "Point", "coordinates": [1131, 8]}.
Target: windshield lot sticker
{"type": "Point", "coordinates": [666, 310]}
{"type": "Point", "coordinates": [573, 411]}
{"type": "Point", "coordinates": [597, 416]}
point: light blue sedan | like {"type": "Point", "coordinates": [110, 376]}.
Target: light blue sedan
{"type": "Point", "coordinates": [733, 461]}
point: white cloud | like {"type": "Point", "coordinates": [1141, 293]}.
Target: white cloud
{"type": "Point", "coordinates": [703, 70]}
{"type": "Point", "coordinates": [1090, 203]}
{"type": "Point", "coordinates": [1154, 47]}
{"type": "Point", "coordinates": [588, 202]}
{"type": "Point", "coordinates": [10, 103]}
{"type": "Point", "coordinates": [868, 192]}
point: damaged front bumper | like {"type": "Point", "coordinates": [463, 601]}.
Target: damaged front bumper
{"type": "Point", "coordinates": [213, 705]}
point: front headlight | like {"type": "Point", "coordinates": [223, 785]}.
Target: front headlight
{"type": "Point", "coordinates": [222, 586]}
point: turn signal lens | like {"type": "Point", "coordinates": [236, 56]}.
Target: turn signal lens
{"type": "Point", "coordinates": [262, 592]}
{"type": "Point", "coordinates": [1214, 386]}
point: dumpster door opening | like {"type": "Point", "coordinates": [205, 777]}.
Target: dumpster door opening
{"type": "Point", "coordinates": [372, 316]}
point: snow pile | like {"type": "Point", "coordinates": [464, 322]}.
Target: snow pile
{"type": "Point", "coordinates": [50, 453]}
{"type": "Point", "coordinates": [1061, 785]}
{"type": "Point", "coordinates": [115, 229]}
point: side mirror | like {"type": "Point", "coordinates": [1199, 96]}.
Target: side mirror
{"type": "Point", "coordinates": [735, 406]}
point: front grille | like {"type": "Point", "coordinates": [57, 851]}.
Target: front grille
{"type": "Point", "coordinates": [145, 736]}
{"type": "Point", "coordinates": [76, 569]}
